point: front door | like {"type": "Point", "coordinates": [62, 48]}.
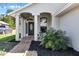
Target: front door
{"type": "Point", "coordinates": [30, 28]}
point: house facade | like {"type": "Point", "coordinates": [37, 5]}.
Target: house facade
{"type": "Point", "coordinates": [34, 18]}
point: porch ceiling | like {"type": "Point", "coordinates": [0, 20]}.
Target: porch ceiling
{"type": "Point", "coordinates": [26, 15]}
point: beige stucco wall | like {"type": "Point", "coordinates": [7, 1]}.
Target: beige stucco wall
{"type": "Point", "coordinates": [36, 9]}
{"type": "Point", "coordinates": [43, 7]}
{"type": "Point", "coordinates": [70, 23]}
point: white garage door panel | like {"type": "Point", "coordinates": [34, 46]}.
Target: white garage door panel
{"type": "Point", "coordinates": [70, 23]}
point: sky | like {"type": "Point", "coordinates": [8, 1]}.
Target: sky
{"type": "Point", "coordinates": [5, 6]}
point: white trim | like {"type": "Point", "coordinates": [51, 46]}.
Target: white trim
{"type": "Point", "coordinates": [25, 21]}
{"type": "Point", "coordinates": [20, 8]}
{"type": "Point", "coordinates": [17, 28]}
{"type": "Point", "coordinates": [27, 26]}
{"type": "Point", "coordinates": [66, 8]}
{"type": "Point", "coordinates": [35, 27]}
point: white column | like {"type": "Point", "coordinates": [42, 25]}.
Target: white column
{"type": "Point", "coordinates": [22, 27]}
{"type": "Point", "coordinates": [53, 22]}
{"type": "Point", "coordinates": [35, 27]}
{"type": "Point", "coordinates": [17, 28]}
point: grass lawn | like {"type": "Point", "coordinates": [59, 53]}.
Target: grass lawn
{"type": "Point", "coordinates": [7, 37]}
{"type": "Point", "coordinates": [4, 42]}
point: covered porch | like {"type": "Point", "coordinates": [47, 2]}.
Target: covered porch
{"type": "Point", "coordinates": [32, 24]}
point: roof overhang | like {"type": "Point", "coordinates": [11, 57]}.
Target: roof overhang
{"type": "Point", "coordinates": [66, 9]}
{"type": "Point", "coordinates": [12, 13]}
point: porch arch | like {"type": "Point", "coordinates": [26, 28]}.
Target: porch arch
{"type": "Point", "coordinates": [25, 18]}
{"type": "Point", "coordinates": [48, 17]}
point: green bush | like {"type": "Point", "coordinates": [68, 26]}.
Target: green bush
{"type": "Point", "coordinates": [54, 39]}
{"type": "Point", "coordinates": [10, 20]}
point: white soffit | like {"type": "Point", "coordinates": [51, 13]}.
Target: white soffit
{"type": "Point", "coordinates": [20, 8]}
{"type": "Point", "coordinates": [66, 9]}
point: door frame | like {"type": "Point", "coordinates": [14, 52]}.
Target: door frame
{"type": "Point", "coordinates": [26, 34]}
{"type": "Point", "coordinates": [29, 33]}
{"type": "Point", "coordinates": [26, 29]}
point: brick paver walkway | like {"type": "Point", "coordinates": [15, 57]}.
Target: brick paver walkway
{"type": "Point", "coordinates": [21, 48]}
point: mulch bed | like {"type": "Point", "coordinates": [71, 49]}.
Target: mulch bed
{"type": "Point", "coordinates": [46, 52]}
{"type": "Point", "coordinates": [8, 46]}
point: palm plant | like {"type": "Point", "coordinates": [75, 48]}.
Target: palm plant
{"type": "Point", "coordinates": [54, 39]}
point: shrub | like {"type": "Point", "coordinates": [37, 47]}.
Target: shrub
{"type": "Point", "coordinates": [54, 39]}
{"type": "Point", "coordinates": [10, 20]}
